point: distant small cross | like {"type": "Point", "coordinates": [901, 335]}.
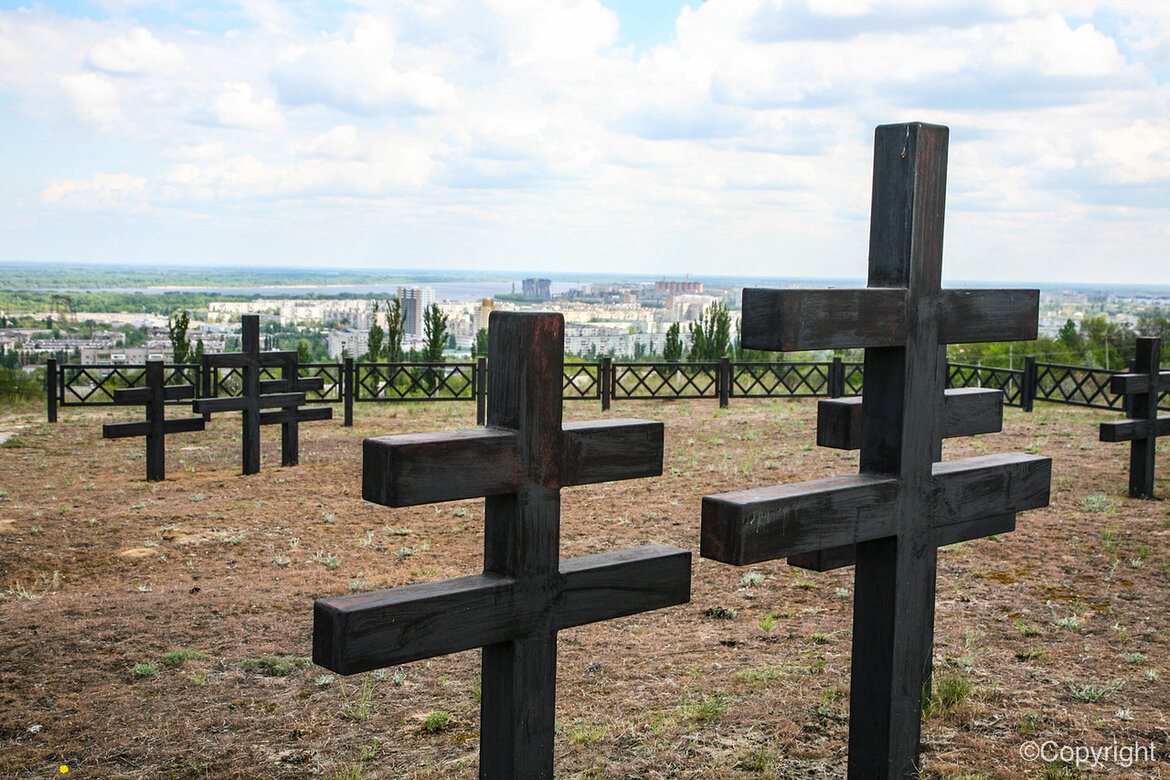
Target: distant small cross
{"type": "Point", "coordinates": [892, 516]}
{"type": "Point", "coordinates": [153, 394]}
{"type": "Point", "coordinates": [284, 394]}
{"type": "Point", "coordinates": [1142, 387]}
{"type": "Point", "coordinates": [526, 594]}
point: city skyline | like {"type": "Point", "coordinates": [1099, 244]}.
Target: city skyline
{"type": "Point", "coordinates": [732, 137]}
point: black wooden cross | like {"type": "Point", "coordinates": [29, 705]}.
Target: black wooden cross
{"type": "Point", "coordinates": [526, 594]}
{"type": "Point", "coordinates": [284, 394]}
{"type": "Point", "coordinates": [1142, 387]}
{"type": "Point", "coordinates": [153, 394]}
{"type": "Point", "coordinates": [903, 504]}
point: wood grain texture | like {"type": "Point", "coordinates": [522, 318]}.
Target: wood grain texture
{"type": "Point", "coordinates": [796, 320]}
{"type": "Point", "coordinates": [1129, 430]}
{"type": "Point", "coordinates": [611, 450]}
{"type": "Point", "coordinates": [973, 316]}
{"type": "Point", "coordinates": [764, 524]}
{"type": "Point", "coordinates": [967, 411]}
{"type": "Point", "coordinates": [417, 468]}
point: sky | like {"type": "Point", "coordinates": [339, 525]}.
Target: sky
{"type": "Point", "coordinates": [726, 137]}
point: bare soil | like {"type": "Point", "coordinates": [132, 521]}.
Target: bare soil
{"type": "Point", "coordinates": [1056, 633]}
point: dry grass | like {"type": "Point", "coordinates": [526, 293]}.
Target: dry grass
{"type": "Point", "coordinates": [101, 572]}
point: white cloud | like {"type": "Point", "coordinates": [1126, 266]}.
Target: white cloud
{"type": "Point", "coordinates": [136, 52]}
{"type": "Point", "coordinates": [92, 98]}
{"type": "Point", "coordinates": [234, 105]}
{"type": "Point", "coordinates": [99, 191]}
{"type": "Point", "coordinates": [356, 72]}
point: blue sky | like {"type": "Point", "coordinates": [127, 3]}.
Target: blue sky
{"type": "Point", "coordinates": [641, 136]}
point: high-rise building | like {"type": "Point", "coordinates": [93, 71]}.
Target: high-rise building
{"type": "Point", "coordinates": [414, 302]}
{"type": "Point", "coordinates": [540, 289]}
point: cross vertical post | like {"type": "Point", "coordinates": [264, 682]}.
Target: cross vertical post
{"type": "Point", "coordinates": [519, 462]}
{"type": "Point", "coordinates": [890, 518]}
{"type": "Point", "coordinates": [1141, 388]}
{"type": "Point", "coordinates": [153, 394]}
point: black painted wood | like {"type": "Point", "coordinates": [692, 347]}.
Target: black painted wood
{"type": "Point", "coordinates": [286, 394]}
{"type": "Point", "coordinates": [967, 411]}
{"type": "Point", "coordinates": [892, 516]}
{"type": "Point", "coordinates": [519, 463]}
{"type": "Point", "coordinates": [153, 395]}
{"type": "Point", "coordinates": [1141, 388]}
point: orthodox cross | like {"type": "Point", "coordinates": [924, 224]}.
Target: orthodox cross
{"type": "Point", "coordinates": [903, 504]}
{"type": "Point", "coordinates": [1143, 387]}
{"type": "Point", "coordinates": [284, 394]}
{"type": "Point", "coordinates": [526, 594]}
{"type": "Point", "coordinates": [153, 394]}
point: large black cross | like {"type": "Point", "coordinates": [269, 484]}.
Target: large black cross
{"type": "Point", "coordinates": [1142, 387]}
{"type": "Point", "coordinates": [904, 503]}
{"type": "Point", "coordinates": [519, 462]}
{"type": "Point", "coordinates": [284, 394]}
{"type": "Point", "coordinates": [153, 394]}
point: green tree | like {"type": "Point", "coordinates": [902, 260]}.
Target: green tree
{"type": "Point", "coordinates": [711, 334]}
{"type": "Point", "coordinates": [434, 333]}
{"type": "Point", "coordinates": [672, 349]}
{"type": "Point", "coordinates": [177, 329]}
{"type": "Point", "coordinates": [1068, 335]}
{"type": "Point", "coordinates": [376, 336]}
{"type": "Point", "coordinates": [197, 353]}
{"type": "Point", "coordinates": [395, 327]}
{"type": "Point", "coordinates": [480, 347]}
{"type": "Point", "coordinates": [304, 352]}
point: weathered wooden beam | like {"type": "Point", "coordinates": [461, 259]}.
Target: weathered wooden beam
{"type": "Point", "coordinates": [750, 526]}
{"type": "Point", "coordinates": [988, 485]}
{"type": "Point", "coordinates": [797, 320]}
{"type": "Point", "coordinates": [967, 411]}
{"type": "Point", "coordinates": [417, 468]}
{"type": "Point", "coordinates": [299, 415]}
{"type": "Point", "coordinates": [301, 384]}
{"type": "Point", "coordinates": [365, 631]}
{"type": "Point", "coordinates": [1132, 430]}
{"type": "Point", "coordinates": [1134, 384]}
{"type": "Point", "coordinates": [239, 403]}
{"type": "Point", "coordinates": [610, 450]}
{"type": "Point", "coordinates": [246, 358]}
{"type": "Point", "coordinates": [136, 396]}
{"type": "Point", "coordinates": [142, 428]}
{"type": "Point", "coordinates": [974, 316]}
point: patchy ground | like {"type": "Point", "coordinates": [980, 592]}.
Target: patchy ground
{"type": "Point", "coordinates": [162, 630]}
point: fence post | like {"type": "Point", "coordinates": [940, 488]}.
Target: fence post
{"type": "Point", "coordinates": [605, 377]}
{"type": "Point", "coordinates": [1028, 384]}
{"type": "Point", "coordinates": [724, 382]}
{"type": "Point", "coordinates": [206, 385]}
{"type": "Point", "coordinates": [836, 379]}
{"type": "Point", "coordinates": [347, 391]}
{"type": "Point", "coordinates": [51, 388]}
{"type": "Point", "coordinates": [480, 391]}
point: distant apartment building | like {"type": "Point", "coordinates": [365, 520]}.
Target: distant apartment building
{"type": "Point", "coordinates": [616, 341]}
{"type": "Point", "coordinates": [353, 343]}
{"type": "Point", "coordinates": [482, 312]}
{"type": "Point", "coordinates": [665, 287]}
{"type": "Point", "coordinates": [540, 289]}
{"type": "Point", "coordinates": [414, 302]}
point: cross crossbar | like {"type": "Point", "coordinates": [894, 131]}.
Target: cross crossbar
{"type": "Point", "coordinates": [526, 594]}
{"type": "Point", "coordinates": [128, 430]}
{"type": "Point", "coordinates": [767, 523]}
{"type": "Point", "coordinates": [799, 320]}
{"type": "Point", "coordinates": [967, 411]}
{"type": "Point", "coordinates": [390, 627]}
{"type": "Point", "coordinates": [411, 469]}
